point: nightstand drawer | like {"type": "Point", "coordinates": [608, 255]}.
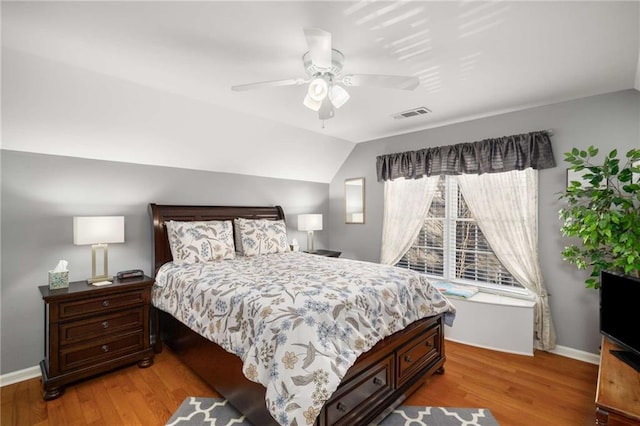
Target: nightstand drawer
{"type": "Point", "coordinates": [106, 303]}
{"type": "Point", "coordinates": [78, 331]}
{"type": "Point", "coordinates": [77, 356]}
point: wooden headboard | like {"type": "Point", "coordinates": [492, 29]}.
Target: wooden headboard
{"type": "Point", "coordinates": [162, 213]}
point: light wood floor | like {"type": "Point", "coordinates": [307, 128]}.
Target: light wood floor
{"type": "Point", "coordinates": [545, 389]}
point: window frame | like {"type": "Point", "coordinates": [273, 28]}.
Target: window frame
{"type": "Point", "coordinates": [451, 190]}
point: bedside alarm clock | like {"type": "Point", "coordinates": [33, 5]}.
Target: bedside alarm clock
{"type": "Point", "coordinates": [132, 273]}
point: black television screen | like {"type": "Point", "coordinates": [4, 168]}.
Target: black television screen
{"type": "Point", "coordinates": [620, 315]}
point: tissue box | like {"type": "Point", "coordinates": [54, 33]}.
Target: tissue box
{"type": "Point", "coordinates": [58, 279]}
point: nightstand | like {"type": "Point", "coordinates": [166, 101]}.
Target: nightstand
{"type": "Point", "coordinates": [90, 330]}
{"type": "Point", "coordinates": [326, 253]}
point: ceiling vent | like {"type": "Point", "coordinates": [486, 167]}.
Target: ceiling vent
{"type": "Point", "coordinates": [412, 113]}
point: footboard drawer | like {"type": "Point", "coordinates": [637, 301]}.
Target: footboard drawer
{"type": "Point", "coordinates": [354, 398]}
{"type": "Point", "coordinates": [418, 354]}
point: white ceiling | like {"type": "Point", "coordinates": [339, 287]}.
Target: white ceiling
{"type": "Point", "coordinates": [473, 58]}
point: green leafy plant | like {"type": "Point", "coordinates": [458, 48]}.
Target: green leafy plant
{"type": "Point", "coordinates": [603, 212]}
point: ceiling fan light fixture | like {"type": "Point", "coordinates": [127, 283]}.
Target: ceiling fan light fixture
{"type": "Point", "coordinates": [323, 66]}
{"type": "Point", "coordinates": [318, 89]}
{"type": "Point", "coordinates": [338, 96]}
{"type": "Point", "coordinates": [312, 104]}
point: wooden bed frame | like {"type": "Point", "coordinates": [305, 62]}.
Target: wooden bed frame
{"type": "Point", "coordinates": [378, 382]}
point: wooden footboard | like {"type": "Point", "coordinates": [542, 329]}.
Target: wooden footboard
{"type": "Point", "coordinates": [378, 382]}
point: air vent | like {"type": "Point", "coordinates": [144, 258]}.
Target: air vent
{"type": "Point", "coordinates": [412, 113]}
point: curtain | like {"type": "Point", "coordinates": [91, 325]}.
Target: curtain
{"type": "Point", "coordinates": [516, 152]}
{"type": "Point", "coordinates": [406, 204]}
{"type": "Point", "coordinates": [505, 206]}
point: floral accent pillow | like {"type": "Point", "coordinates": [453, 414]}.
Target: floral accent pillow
{"type": "Point", "coordinates": [200, 241]}
{"type": "Point", "coordinates": [261, 236]}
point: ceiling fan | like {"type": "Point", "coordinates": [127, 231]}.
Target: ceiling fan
{"type": "Point", "coordinates": [323, 66]}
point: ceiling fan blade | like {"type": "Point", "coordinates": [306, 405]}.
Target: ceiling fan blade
{"type": "Point", "coordinates": [275, 83]}
{"type": "Point", "coordinates": [319, 43]}
{"type": "Point", "coordinates": [326, 109]}
{"type": "Point", "coordinates": [383, 81]}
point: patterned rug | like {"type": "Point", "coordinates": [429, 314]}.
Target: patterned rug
{"type": "Point", "coordinates": [217, 412]}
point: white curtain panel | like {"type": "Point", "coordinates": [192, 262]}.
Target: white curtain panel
{"type": "Point", "coordinates": [406, 203]}
{"type": "Point", "coordinates": [505, 206]}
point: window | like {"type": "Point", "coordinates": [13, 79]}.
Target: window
{"type": "Point", "coordinates": [451, 246]}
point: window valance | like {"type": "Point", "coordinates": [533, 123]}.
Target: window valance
{"type": "Point", "coordinates": [516, 152]}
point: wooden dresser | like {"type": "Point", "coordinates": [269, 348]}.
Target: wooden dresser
{"type": "Point", "coordinates": [618, 393]}
{"type": "Point", "coordinates": [91, 330]}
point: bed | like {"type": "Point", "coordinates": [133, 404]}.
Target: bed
{"type": "Point", "coordinates": [375, 374]}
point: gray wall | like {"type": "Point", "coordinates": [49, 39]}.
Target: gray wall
{"type": "Point", "coordinates": [41, 193]}
{"type": "Point", "coordinates": [607, 121]}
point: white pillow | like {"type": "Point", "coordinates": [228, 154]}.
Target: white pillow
{"type": "Point", "coordinates": [200, 241]}
{"type": "Point", "coordinates": [261, 236]}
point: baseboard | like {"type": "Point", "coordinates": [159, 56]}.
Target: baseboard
{"type": "Point", "coordinates": [559, 350]}
{"type": "Point", "coordinates": [19, 376]}
{"type": "Point", "coordinates": [576, 354]}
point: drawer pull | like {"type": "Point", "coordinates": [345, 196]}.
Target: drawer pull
{"type": "Point", "coordinates": [377, 381]}
{"type": "Point", "coordinates": [105, 324]}
{"type": "Point", "coordinates": [105, 303]}
{"type": "Point", "coordinates": [105, 348]}
{"type": "Point", "coordinates": [407, 358]}
{"type": "Point", "coordinates": [429, 344]}
{"type": "Point", "coordinates": [341, 407]}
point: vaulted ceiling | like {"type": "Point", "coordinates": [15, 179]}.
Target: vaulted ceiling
{"type": "Point", "coordinates": [473, 59]}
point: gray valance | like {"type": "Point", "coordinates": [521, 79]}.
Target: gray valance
{"type": "Point", "coordinates": [516, 152]}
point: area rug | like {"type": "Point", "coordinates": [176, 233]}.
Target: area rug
{"type": "Point", "coordinates": [217, 412]}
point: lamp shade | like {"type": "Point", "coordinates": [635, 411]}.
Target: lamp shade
{"type": "Point", "coordinates": [98, 229]}
{"type": "Point", "coordinates": [309, 222]}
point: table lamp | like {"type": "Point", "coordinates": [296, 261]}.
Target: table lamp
{"type": "Point", "coordinates": [99, 231]}
{"type": "Point", "coordinates": [310, 223]}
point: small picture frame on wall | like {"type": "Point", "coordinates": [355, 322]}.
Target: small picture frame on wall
{"type": "Point", "coordinates": [354, 204]}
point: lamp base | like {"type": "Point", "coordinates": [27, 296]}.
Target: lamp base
{"type": "Point", "coordinates": [310, 248]}
{"type": "Point", "coordinates": [105, 264]}
{"type": "Point", "coordinates": [99, 279]}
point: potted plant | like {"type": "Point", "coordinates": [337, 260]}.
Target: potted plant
{"type": "Point", "coordinates": [603, 211]}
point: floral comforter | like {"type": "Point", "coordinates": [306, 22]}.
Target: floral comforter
{"type": "Point", "coordinates": [298, 321]}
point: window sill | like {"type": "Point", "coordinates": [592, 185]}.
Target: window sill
{"type": "Point", "coordinates": [498, 299]}
{"type": "Point", "coordinates": [507, 293]}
